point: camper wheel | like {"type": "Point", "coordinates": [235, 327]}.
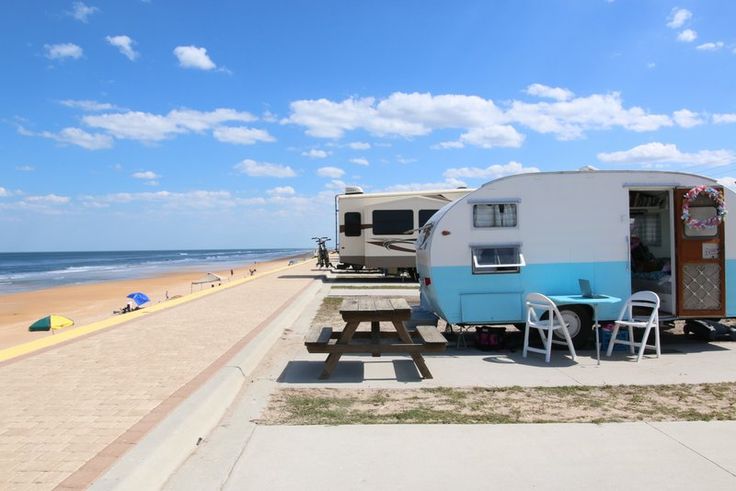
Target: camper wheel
{"type": "Point", "coordinates": [579, 324]}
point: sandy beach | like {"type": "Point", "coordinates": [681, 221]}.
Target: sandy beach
{"type": "Point", "coordinates": [96, 301]}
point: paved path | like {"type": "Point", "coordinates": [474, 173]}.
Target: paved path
{"type": "Point", "coordinates": [437, 457]}
{"type": "Point", "coordinates": [67, 413]}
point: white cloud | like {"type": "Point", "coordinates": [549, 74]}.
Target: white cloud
{"type": "Point", "coordinates": [281, 191]}
{"type": "Point", "coordinates": [74, 136]}
{"type": "Point", "coordinates": [405, 160]}
{"type": "Point", "coordinates": [149, 175]}
{"type": "Point", "coordinates": [241, 135]}
{"type": "Point", "coordinates": [678, 17]}
{"type": "Point", "coordinates": [63, 50]}
{"type": "Point", "coordinates": [81, 12]}
{"type": "Point", "coordinates": [481, 121]}
{"type": "Point", "coordinates": [125, 45]}
{"type": "Point", "coordinates": [25, 168]}
{"type": "Point", "coordinates": [651, 65]}
{"type": "Point", "coordinates": [336, 184]}
{"type": "Point", "coordinates": [316, 154]}
{"type": "Point", "coordinates": [51, 199]}
{"type": "Point", "coordinates": [360, 161]}
{"type": "Point", "coordinates": [4, 192]}
{"type": "Point", "coordinates": [570, 119]}
{"type": "Point", "coordinates": [332, 172]}
{"type": "Point", "coordinates": [686, 118]}
{"type": "Point", "coordinates": [359, 145]}
{"type": "Point", "coordinates": [656, 152]}
{"type": "Point", "coordinates": [556, 93]}
{"type": "Point", "coordinates": [88, 105]}
{"type": "Point", "coordinates": [449, 144]}
{"type": "Point", "coordinates": [136, 125]}
{"type": "Point", "coordinates": [729, 182]}
{"type": "Point", "coordinates": [491, 172]}
{"type": "Point", "coordinates": [264, 169]}
{"type": "Point", "coordinates": [194, 57]}
{"type": "Point", "coordinates": [724, 118]}
{"type": "Point", "coordinates": [710, 46]}
{"type": "Point", "coordinates": [190, 200]}
{"type": "Point", "coordinates": [687, 36]}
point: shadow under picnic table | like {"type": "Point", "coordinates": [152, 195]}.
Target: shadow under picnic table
{"type": "Point", "coordinates": [350, 371]}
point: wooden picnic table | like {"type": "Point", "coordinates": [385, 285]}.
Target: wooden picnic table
{"type": "Point", "coordinates": [354, 311]}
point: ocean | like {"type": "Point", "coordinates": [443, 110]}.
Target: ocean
{"type": "Point", "coordinates": [26, 271]}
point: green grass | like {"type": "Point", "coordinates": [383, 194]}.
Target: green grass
{"type": "Point", "coordinates": [445, 405]}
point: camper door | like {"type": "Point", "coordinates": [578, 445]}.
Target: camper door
{"type": "Point", "coordinates": [700, 254]}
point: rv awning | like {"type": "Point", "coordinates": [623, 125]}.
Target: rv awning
{"type": "Point", "coordinates": [208, 278]}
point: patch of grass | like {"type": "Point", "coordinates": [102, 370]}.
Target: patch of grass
{"type": "Point", "coordinates": [447, 405]}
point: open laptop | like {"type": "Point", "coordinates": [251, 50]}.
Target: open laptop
{"type": "Point", "coordinates": [586, 291]}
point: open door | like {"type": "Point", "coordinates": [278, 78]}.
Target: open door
{"type": "Point", "coordinates": [701, 288]}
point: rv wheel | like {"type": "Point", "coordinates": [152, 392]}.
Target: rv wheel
{"type": "Point", "coordinates": [579, 324]}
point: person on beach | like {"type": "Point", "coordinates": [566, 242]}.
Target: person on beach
{"type": "Point", "coordinates": [252, 269]}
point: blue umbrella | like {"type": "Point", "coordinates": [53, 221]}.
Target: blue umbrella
{"type": "Point", "coordinates": [139, 298]}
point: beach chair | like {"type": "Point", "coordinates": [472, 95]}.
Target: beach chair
{"type": "Point", "coordinates": [537, 306]}
{"type": "Point", "coordinates": [644, 299]}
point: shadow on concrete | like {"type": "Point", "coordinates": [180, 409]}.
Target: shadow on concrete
{"type": "Point", "coordinates": [301, 276]}
{"type": "Point", "coordinates": [349, 371]}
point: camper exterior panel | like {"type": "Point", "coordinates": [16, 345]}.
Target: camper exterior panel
{"type": "Point", "coordinates": [571, 225]}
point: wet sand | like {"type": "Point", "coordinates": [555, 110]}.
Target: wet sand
{"type": "Point", "coordinates": [93, 302]}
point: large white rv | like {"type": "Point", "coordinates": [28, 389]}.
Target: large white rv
{"type": "Point", "coordinates": [624, 231]}
{"type": "Point", "coordinates": [379, 230]}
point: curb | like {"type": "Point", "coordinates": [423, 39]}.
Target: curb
{"type": "Point", "coordinates": [150, 463]}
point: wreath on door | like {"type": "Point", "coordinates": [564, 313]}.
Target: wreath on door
{"type": "Point", "coordinates": [713, 221]}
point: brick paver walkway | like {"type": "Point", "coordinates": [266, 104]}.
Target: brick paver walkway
{"type": "Point", "coordinates": [61, 408]}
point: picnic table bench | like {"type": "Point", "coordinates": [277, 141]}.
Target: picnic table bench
{"type": "Point", "coordinates": [354, 311]}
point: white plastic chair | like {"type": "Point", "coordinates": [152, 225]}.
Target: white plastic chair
{"type": "Point", "coordinates": [646, 299]}
{"type": "Point", "coordinates": [536, 305]}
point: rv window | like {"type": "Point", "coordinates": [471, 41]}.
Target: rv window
{"type": "Point", "coordinates": [494, 215]}
{"type": "Point", "coordinates": [352, 224]}
{"type": "Point", "coordinates": [392, 222]}
{"type": "Point", "coordinates": [647, 227]}
{"type": "Point", "coordinates": [702, 213]}
{"type": "Point", "coordinates": [497, 259]}
{"type": "Point", "coordinates": [424, 216]}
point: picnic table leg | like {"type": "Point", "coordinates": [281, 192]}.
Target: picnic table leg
{"type": "Point", "coordinates": [376, 336]}
{"type": "Point", "coordinates": [333, 358]}
{"type": "Point", "coordinates": [417, 357]}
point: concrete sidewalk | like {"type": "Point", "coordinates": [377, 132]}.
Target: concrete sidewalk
{"type": "Point", "coordinates": [71, 411]}
{"type": "Point", "coordinates": [438, 457]}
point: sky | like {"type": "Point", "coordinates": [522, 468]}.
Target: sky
{"type": "Point", "coordinates": [229, 124]}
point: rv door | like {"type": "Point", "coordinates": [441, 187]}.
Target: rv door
{"type": "Point", "coordinates": [699, 255]}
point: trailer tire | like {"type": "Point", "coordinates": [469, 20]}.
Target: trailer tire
{"type": "Point", "coordinates": [580, 324]}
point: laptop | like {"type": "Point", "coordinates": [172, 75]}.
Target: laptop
{"type": "Point", "coordinates": [586, 291]}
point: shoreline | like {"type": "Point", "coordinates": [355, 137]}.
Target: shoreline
{"type": "Point", "coordinates": [92, 302]}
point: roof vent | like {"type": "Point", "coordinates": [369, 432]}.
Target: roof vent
{"type": "Point", "coordinates": [353, 190]}
{"type": "Point", "coordinates": [588, 168]}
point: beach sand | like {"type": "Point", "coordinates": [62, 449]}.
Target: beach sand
{"type": "Point", "coordinates": [93, 302]}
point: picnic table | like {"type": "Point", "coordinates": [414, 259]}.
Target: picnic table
{"type": "Point", "coordinates": [354, 311]}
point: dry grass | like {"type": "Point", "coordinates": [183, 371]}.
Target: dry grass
{"type": "Point", "coordinates": [573, 404]}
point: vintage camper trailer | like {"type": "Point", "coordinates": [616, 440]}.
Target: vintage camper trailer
{"type": "Point", "coordinates": [623, 231]}
{"type": "Point", "coordinates": [379, 230]}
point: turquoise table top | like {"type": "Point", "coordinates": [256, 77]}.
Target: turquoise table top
{"type": "Point", "coordinates": [579, 299]}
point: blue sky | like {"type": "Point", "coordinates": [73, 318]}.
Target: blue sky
{"type": "Point", "coordinates": [181, 124]}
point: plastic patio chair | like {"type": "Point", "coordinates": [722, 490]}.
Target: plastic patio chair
{"type": "Point", "coordinates": [646, 299]}
{"type": "Point", "coordinates": [536, 305]}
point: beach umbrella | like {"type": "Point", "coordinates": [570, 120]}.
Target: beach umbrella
{"type": "Point", "coordinates": [139, 298]}
{"type": "Point", "coordinates": [51, 323]}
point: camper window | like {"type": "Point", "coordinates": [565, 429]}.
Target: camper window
{"type": "Point", "coordinates": [424, 216]}
{"type": "Point", "coordinates": [393, 222]}
{"type": "Point", "coordinates": [497, 259]}
{"type": "Point", "coordinates": [494, 215]}
{"type": "Point", "coordinates": [352, 224]}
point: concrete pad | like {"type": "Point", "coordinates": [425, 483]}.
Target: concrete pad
{"type": "Point", "coordinates": [439, 457]}
{"type": "Point", "coordinates": [691, 363]}
{"type": "Point", "coordinates": [374, 292]}
{"type": "Point", "coordinates": [713, 440]}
